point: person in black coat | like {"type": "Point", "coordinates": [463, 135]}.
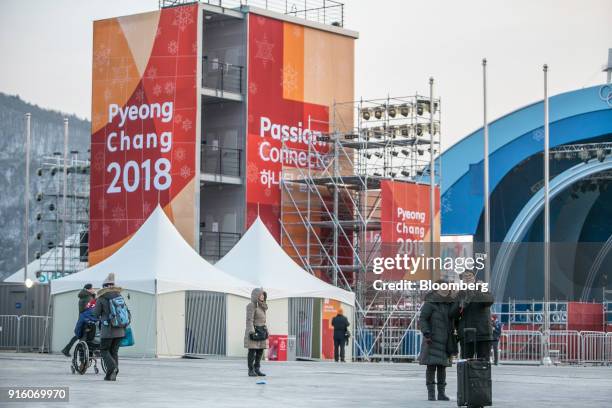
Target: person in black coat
{"type": "Point", "coordinates": [341, 334]}
{"type": "Point", "coordinates": [439, 342]}
{"type": "Point", "coordinates": [86, 295]}
{"type": "Point", "coordinates": [472, 310]}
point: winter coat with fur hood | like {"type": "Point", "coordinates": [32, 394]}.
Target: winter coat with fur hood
{"type": "Point", "coordinates": [255, 316]}
{"type": "Point", "coordinates": [102, 311]}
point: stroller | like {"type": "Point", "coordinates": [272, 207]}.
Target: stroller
{"type": "Point", "coordinates": [87, 351]}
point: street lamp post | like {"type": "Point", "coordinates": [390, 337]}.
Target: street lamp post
{"type": "Point", "coordinates": [546, 354]}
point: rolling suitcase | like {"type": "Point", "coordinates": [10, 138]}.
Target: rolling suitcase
{"type": "Point", "coordinates": [474, 387]}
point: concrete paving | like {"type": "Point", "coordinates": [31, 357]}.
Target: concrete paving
{"type": "Point", "coordinates": [224, 383]}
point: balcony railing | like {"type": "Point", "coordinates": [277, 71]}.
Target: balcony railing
{"type": "Point", "coordinates": [321, 11]}
{"type": "Point", "coordinates": [221, 76]}
{"type": "Point", "coordinates": [221, 161]}
{"type": "Point", "coordinates": [214, 245]}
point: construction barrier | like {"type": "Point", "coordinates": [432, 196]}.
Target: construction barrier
{"type": "Point", "coordinates": [520, 346]}
{"type": "Point", "coordinates": [593, 347]}
{"type": "Point", "coordinates": [25, 333]}
{"type": "Point", "coordinates": [565, 346]}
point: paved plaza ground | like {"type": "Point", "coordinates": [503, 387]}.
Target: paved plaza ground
{"type": "Point", "coordinates": [224, 383]}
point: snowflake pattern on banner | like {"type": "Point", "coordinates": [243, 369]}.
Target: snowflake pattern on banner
{"type": "Point", "coordinates": [169, 88]}
{"type": "Point", "coordinates": [178, 119]}
{"type": "Point", "coordinates": [186, 124]}
{"type": "Point", "coordinates": [157, 90]}
{"type": "Point", "coordinates": [179, 154]}
{"type": "Point", "coordinates": [185, 172]}
{"type": "Point", "coordinates": [146, 208]}
{"type": "Point", "coordinates": [151, 73]}
{"type": "Point", "coordinates": [289, 78]}
{"type": "Point", "coordinates": [264, 50]}
{"type": "Point", "coordinates": [105, 230]}
{"type": "Point", "coordinates": [172, 47]}
{"type": "Point", "coordinates": [252, 172]}
{"type": "Point", "coordinates": [118, 213]}
{"type": "Point", "coordinates": [107, 94]}
{"type": "Point", "coordinates": [101, 58]}
{"type": "Point", "coordinates": [120, 76]}
{"type": "Point", "coordinates": [253, 88]}
{"type": "Point", "coordinates": [182, 18]}
{"type": "Point", "coordinates": [102, 204]}
{"type": "Point", "coordinates": [98, 163]}
{"type": "Point", "coordinates": [139, 95]}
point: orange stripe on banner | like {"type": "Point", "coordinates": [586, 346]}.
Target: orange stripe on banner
{"type": "Point", "coordinates": [293, 62]}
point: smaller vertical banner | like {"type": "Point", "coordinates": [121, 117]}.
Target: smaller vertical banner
{"type": "Point", "coordinates": [330, 310]}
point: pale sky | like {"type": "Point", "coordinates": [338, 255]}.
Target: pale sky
{"type": "Point", "coordinates": [45, 49]}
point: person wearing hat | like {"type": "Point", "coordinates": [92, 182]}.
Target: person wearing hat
{"type": "Point", "coordinates": [340, 324]}
{"type": "Point", "coordinates": [472, 310]}
{"type": "Point", "coordinates": [86, 295]}
{"type": "Point", "coordinates": [110, 336]}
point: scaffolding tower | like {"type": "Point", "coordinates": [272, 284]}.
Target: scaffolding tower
{"type": "Point", "coordinates": [331, 206]}
{"type": "Point", "coordinates": [63, 215]}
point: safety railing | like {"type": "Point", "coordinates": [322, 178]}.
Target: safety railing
{"type": "Point", "coordinates": [221, 161]}
{"type": "Point", "coordinates": [214, 245]}
{"type": "Point", "coordinates": [387, 344]}
{"type": "Point", "coordinates": [565, 347]}
{"type": "Point", "coordinates": [25, 333]}
{"type": "Point", "coordinates": [521, 346]}
{"type": "Point", "coordinates": [221, 76]}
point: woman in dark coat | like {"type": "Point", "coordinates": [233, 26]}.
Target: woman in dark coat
{"type": "Point", "coordinates": [438, 341]}
{"type": "Point", "coordinates": [255, 317]}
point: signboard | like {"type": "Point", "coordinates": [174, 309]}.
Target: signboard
{"type": "Point", "coordinates": [406, 219]}
{"type": "Point", "coordinates": [144, 141]}
{"type": "Point", "coordinates": [330, 310]}
{"type": "Point", "coordinates": [294, 75]}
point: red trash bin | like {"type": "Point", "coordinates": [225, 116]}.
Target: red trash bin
{"type": "Point", "coordinates": [277, 347]}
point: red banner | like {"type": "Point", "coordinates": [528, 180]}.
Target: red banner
{"type": "Point", "coordinates": [277, 113]}
{"type": "Point", "coordinates": [144, 113]}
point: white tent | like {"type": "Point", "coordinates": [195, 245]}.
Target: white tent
{"type": "Point", "coordinates": [156, 268]}
{"type": "Point", "coordinates": [257, 258]}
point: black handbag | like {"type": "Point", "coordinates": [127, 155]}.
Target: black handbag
{"type": "Point", "coordinates": [261, 333]}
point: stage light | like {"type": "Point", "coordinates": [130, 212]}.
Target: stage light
{"type": "Point", "coordinates": [38, 217]}
{"type": "Point", "coordinates": [436, 128]}
{"type": "Point", "coordinates": [421, 152]}
{"type": "Point", "coordinates": [53, 171]}
{"type": "Point", "coordinates": [392, 110]}
{"type": "Point", "coordinates": [392, 174]}
{"type": "Point", "coordinates": [378, 132]}
{"type": "Point", "coordinates": [366, 113]}
{"type": "Point", "coordinates": [37, 255]}
{"type": "Point", "coordinates": [405, 109]}
{"type": "Point", "coordinates": [405, 173]}
{"type": "Point", "coordinates": [378, 112]}
{"type": "Point", "coordinates": [584, 155]}
{"type": "Point", "coordinates": [558, 156]}
{"type": "Point", "coordinates": [39, 196]}
{"type": "Point", "coordinates": [39, 172]}
{"type": "Point", "coordinates": [404, 130]}
{"type": "Point", "coordinates": [29, 283]}
{"type": "Point", "coordinates": [392, 131]}
{"type": "Point", "coordinates": [601, 155]}
{"type": "Point", "coordinates": [419, 129]}
{"type": "Point", "coordinates": [50, 244]}
{"type": "Point", "coordinates": [378, 154]}
{"type": "Point", "coordinates": [377, 174]}
{"type": "Point", "coordinates": [368, 156]}
{"type": "Point", "coordinates": [51, 207]}
{"type": "Point", "coordinates": [39, 236]}
{"type": "Point", "coordinates": [394, 153]}
{"type": "Point", "coordinates": [406, 152]}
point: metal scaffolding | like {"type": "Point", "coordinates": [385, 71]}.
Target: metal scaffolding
{"type": "Point", "coordinates": [63, 215]}
{"type": "Point", "coordinates": [331, 205]}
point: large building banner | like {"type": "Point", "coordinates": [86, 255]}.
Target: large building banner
{"type": "Point", "coordinates": [295, 72]}
{"type": "Point", "coordinates": [144, 115]}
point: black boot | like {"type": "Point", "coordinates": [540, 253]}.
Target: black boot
{"type": "Point", "coordinates": [66, 352]}
{"type": "Point", "coordinates": [441, 395]}
{"type": "Point", "coordinates": [250, 362]}
{"type": "Point", "coordinates": [431, 392]}
{"type": "Point", "coordinates": [252, 373]}
{"type": "Point", "coordinates": [259, 373]}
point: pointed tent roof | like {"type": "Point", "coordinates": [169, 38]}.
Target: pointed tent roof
{"type": "Point", "coordinates": [156, 260]}
{"type": "Point", "coordinates": [257, 258]}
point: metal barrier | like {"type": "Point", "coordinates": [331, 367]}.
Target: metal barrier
{"type": "Point", "coordinates": [520, 346]}
{"type": "Point", "coordinates": [388, 344]}
{"type": "Point", "coordinates": [609, 348]}
{"type": "Point", "coordinates": [9, 332]}
{"type": "Point", "coordinates": [565, 346]}
{"type": "Point", "coordinates": [25, 333]}
{"type": "Point", "coordinates": [593, 348]}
